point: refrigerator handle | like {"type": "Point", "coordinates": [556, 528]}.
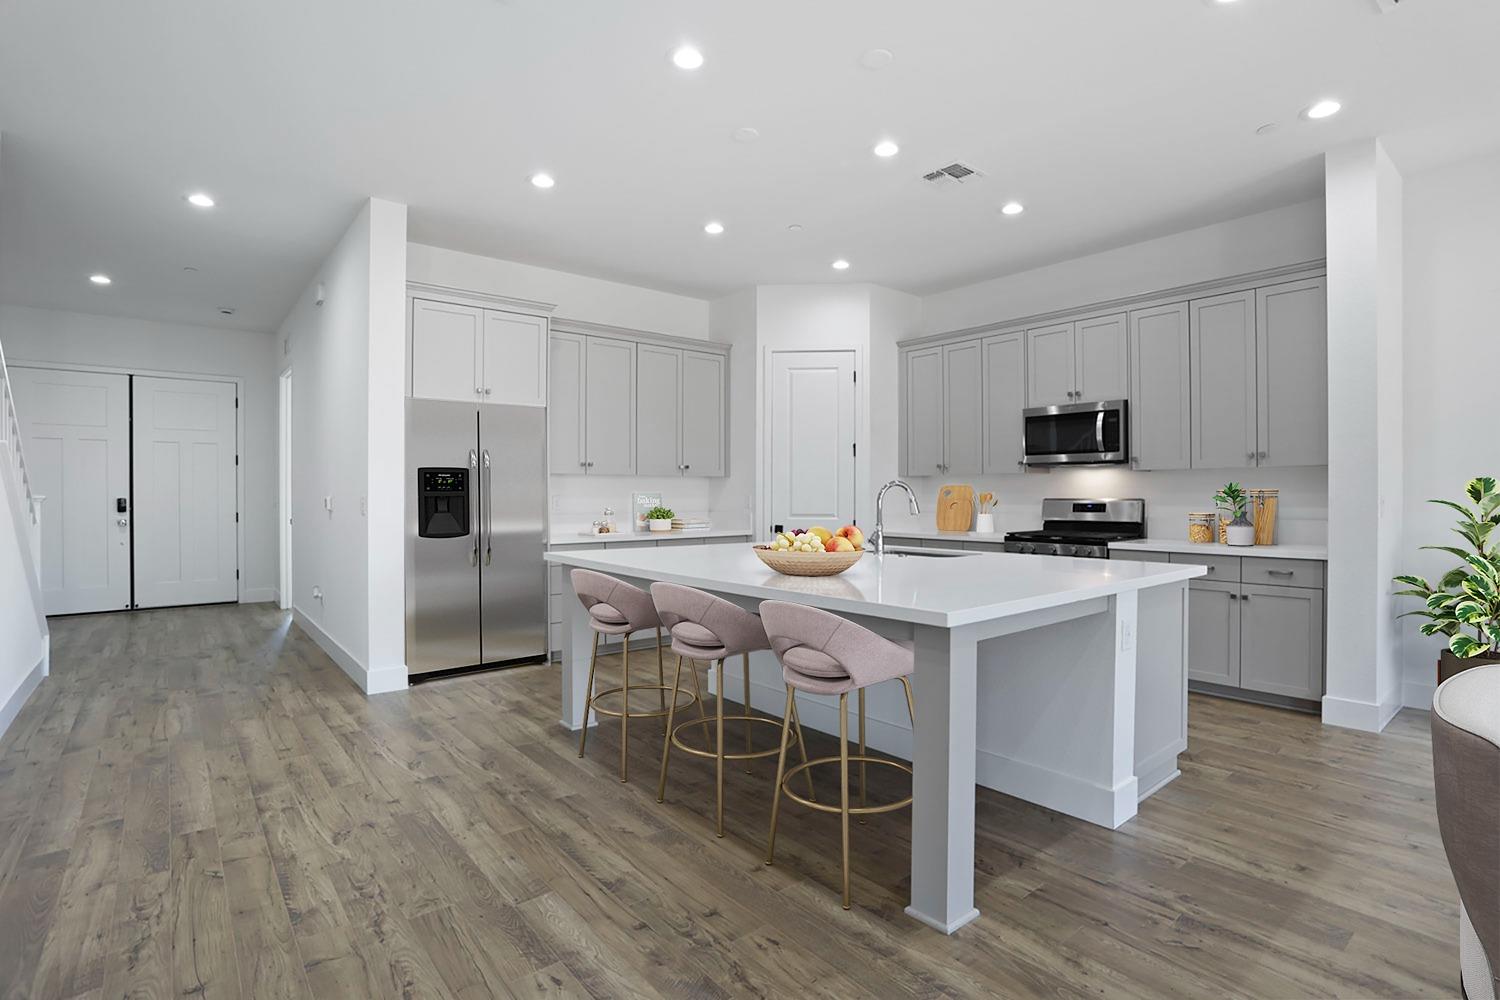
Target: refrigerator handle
{"type": "Point", "coordinates": [489, 527]}
{"type": "Point", "coordinates": [473, 513]}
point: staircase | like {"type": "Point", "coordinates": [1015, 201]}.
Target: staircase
{"type": "Point", "coordinates": [24, 640]}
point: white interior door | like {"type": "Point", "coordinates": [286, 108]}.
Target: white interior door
{"type": "Point", "coordinates": [76, 431]}
{"type": "Point", "coordinates": [183, 434]}
{"type": "Point", "coordinates": [811, 459]}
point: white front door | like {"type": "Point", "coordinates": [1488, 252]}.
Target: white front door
{"type": "Point", "coordinates": [185, 495]}
{"type": "Point", "coordinates": [811, 460]}
{"type": "Point", "coordinates": [75, 427]}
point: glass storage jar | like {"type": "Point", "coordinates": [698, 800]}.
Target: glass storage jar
{"type": "Point", "coordinates": [1201, 527]}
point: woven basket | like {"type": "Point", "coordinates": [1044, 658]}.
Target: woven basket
{"type": "Point", "coordinates": [807, 563]}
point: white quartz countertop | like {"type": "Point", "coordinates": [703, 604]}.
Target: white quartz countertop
{"type": "Point", "coordinates": [997, 537]}
{"type": "Point", "coordinates": [1124, 549]}
{"type": "Point", "coordinates": [576, 536]}
{"type": "Point", "coordinates": [946, 592]}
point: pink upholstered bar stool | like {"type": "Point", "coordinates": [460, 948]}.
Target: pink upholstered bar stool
{"type": "Point", "coordinates": [709, 629]}
{"type": "Point", "coordinates": [821, 653]}
{"type": "Point", "coordinates": [616, 608]}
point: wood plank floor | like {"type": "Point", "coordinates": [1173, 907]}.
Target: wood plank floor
{"type": "Point", "coordinates": [198, 803]}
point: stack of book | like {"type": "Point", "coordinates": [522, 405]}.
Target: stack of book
{"type": "Point", "coordinates": [691, 524]}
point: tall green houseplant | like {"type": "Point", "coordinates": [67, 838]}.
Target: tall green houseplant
{"type": "Point", "coordinates": [1465, 604]}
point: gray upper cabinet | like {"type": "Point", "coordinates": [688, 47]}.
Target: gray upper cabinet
{"type": "Point", "coordinates": [1281, 640]}
{"type": "Point", "coordinates": [705, 414]}
{"type": "Point", "coordinates": [1004, 399]}
{"type": "Point", "coordinates": [567, 452]}
{"type": "Point", "coordinates": [963, 409]}
{"type": "Point", "coordinates": [1160, 383]}
{"type": "Point", "coordinates": [924, 412]}
{"type": "Point", "coordinates": [658, 411]}
{"type": "Point", "coordinates": [609, 413]}
{"type": "Point", "coordinates": [1292, 361]}
{"type": "Point", "coordinates": [1050, 366]}
{"type": "Point", "coordinates": [1222, 354]}
{"type": "Point", "coordinates": [1102, 359]}
{"type": "Point", "coordinates": [514, 363]}
{"type": "Point", "coordinates": [475, 355]}
{"type": "Point", "coordinates": [1214, 633]}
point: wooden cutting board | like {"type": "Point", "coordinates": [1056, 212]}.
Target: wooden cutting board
{"type": "Point", "coordinates": [955, 508]}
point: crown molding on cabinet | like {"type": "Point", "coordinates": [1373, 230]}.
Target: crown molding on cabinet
{"type": "Point", "coordinates": [587, 329]}
{"type": "Point", "coordinates": [463, 296]}
{"type": "Point", "coordinates": [1197, 290]}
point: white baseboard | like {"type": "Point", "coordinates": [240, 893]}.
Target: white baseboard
{"type": "Point", "coordinates": [29, 684]}
{"type": "Point", "coordinates": [1351, 714]}
{"type": "Point", "coordinates": [380, 681]}
{"type": "Point", "coordinates": [1418, 694]}
{"type": "Point", "coordinates": [258, 595]}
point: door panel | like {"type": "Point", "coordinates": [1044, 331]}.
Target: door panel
{"type": "Point", "coordinates": [1292, 347]}
{"type": "Point", "coordinates": [1161, 384]}
{"type": "Point", "coordinates": [565, 406]}
{"type": "Point", "coordinates": [1214, 633]}
{"type": "Point", "coordinates": [184, 443]}
{"type": "Point", "coordinates": [514, 358]}
{"type": "Point", "coordinates": [1103, 358]}
{"type": "Point", "coordinates": [609, 410]}
{"type": "Point", "coordinates": [658, 411]}
{"type": "Point", "coordinates": [811, 458]}
{"type": "Point", "coordinates": [1004, 399]}
{"type": "Point", "coordinates": [442, 574]}
{"type": "Point", "coordinates": [446, 351]}
{"type": "Point", "coordinates": [704, 409]}
{"type": "Point", "coordinates": [75, 427]}
{"type": "Point", "coordinates": [1050, 365]}
{"type": "Point", "coordinates": [924, 412]}
{"type": "Point", "coordinates": [1222, 339]}
{"type": "Point", "coordinates": [513, 576]}
{"type": "Point", "coordinates": [1281, 641]}
{"type": "Point", "coordinates": [963, 409]}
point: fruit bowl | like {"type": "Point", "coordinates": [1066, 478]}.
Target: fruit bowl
{"type": "Point", "coordinates": [807, 563]}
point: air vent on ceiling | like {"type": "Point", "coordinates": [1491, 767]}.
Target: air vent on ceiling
{"type": "Point", "coordinates": [953, 173]}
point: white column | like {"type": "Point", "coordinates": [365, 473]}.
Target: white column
{"type": "Point", "coordinates": [577, 643]}
{"type": "Point", "coordinates": [945, 689]}
{"type": "Point", "coordinates": [1363, 192]}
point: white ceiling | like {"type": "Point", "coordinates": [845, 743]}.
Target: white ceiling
{"type": "Point", "coordinates": [1112, 120]}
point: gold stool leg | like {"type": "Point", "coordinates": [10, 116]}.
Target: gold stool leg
{"type": "Point", "coordinates": [844, 788]}
{"type": "Point", "coordinates": [625, 714]}
{"type": "Point", "coordinates": [661, 676]}
{"type": "Point", "coordinates": [719, 758]}
{"type": "Point", "coordinates": [911, 707]}
{"type": "Point", "coordinates": [786, 728]}
{"type": "Point", "coordinates": [697, 691]}
{"type": "Point", "coordinates": [862, 819]}
{"type": "Point", "coordinates": [801, 743]}
{"type": "Point", "coordinates": [588, 701]}
{"type": "Point", "coordinates": [666, 748]}
{"type": "Point", "coordinates": [748, 723]}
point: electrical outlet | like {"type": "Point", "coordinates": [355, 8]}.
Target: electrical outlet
{"type": "Point", "coordinates": [1127, 635]}
{"type": "Point", "coordinates": [328, 504]}
{"type": "Point", "coordinates": [318, 594]}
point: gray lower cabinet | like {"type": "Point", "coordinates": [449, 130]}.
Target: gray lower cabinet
{"type": "Point", "coordinates": [1214, 633]}
{"type": "Point", "coordinates": [1281, 640]}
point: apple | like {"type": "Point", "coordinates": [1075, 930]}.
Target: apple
{"type": "Point", "coordinates": [839, 543]}
{"type": "Point", "coordinates": [855, 536]}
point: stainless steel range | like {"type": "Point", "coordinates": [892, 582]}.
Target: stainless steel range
{"type": "Point", "coordinates": [1081, 528]}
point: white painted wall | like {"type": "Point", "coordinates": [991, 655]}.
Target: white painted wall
{"type": "Point", "coordinates": [64, 339]}
{"type": "Point", "coordinates": [1281, 236]}
{"type": "Point", "coordinates": [1363, 194]}
{"type": "Point", "coordinates": [348, 444]}
{"type": "Point", "coordinates": [24, 640]}
{"type": "Point", "coordinates": [1452, 252]}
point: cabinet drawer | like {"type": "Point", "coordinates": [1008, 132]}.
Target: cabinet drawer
{"type": "Point", "coordinates": [995, 546]}
{"type": "Point", "coordinates": [1283, 572]}
{"type": "Point", "coordinates": [555, 580]}
{"type": "Point", "coordinates": [1133, 556]}
{"type": "Point", "coordinates": [1221, 569]}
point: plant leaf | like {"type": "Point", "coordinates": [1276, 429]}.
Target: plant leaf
{"type": "Point", "coordinates": [1423, 594]}
{"type": "Point", "coordinates": [1441, 600]}
{"type": "Point", "coordinates": [1471, 612]}
{"type": "Point", "coordinates": [1451, 550]}
{"type": "Point", "coordinates": [1454, 578]}
{"type": "Point", "coordinates": [1479, 488]}
{"type": "Point", "coordinates": [1467, 646]}
{"type": "Point", "coordinates": [1469, 514]}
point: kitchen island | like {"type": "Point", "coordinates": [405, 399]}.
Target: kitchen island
{"type": "Point", "coordinates": [1060, 681]}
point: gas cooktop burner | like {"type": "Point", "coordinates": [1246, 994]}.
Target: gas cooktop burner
{"type": "Point", "coordinates": [1081, 528]}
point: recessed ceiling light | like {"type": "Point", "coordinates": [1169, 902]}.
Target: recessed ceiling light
{"type": "Point", "coordinates": [841, 265]}
{"type": "Point", "coordinates": [100, 279]}
{"type": "Point", "coordinates": [886, 148]}
{"type": "Point", "coordinates": [714, 228]}
{"type": "Point", "coordinates": [794, 228]}
{"type": "Point", "coordinates": [542, 181]}
{"type": "Point", "coordinates": [745, 134]}
{"type": "Point", "coordinates": [198, 199]}
{"type": "Point", "coordinates": [687, 57]}
{"type": "Point", "coordinates": [226, 311]}
{"type": "Point", "coordinates": [876, 58]}
{"type": "Point", "coordinates": [1266, 129]}
{"type": "Point", "coordinates": [1012, 208]}
{"type": "Point", "coordinates": [190, 269]}
{"type": "Point", "coordinates": [1325, 108]}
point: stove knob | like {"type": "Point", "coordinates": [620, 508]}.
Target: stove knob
{"type": "Point", "coordinates": [1065, 550]}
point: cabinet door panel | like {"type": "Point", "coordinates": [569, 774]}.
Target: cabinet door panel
{"type": "Point", "coordinates": [565, 408]}
{"type": "Point", "coordinates": [658, 411]}
{"type": "Point", "coordinates": [514, 358]}
{"type": "Point", "coordinates": [1292, 347]}
{"type": "Point", "coordinates": [924, 412]}
{"type": "Point", "coordinates": [1214, 633]}
{"type": "Point", "coordinates": [1103, 358]}
{"type": "Point", "coordinates": [1004, 399]}
{"type": "Point", "coordinates": [963, 411]}
{"type": "Point", "coordinates": [1281, 641]}
{"type": "Point", "coordinates": [445, 351]}
{"type": "Point", "coordinates": [1223, 380]}
{"type": "Point", "coordinates": [609, 417]}
{"type": "Point", "coordinates": [1160, 424]}
{"type": "Point", "coordinates": [705, 412]}
{"type": "Point", "coordinates": [1050, 365]}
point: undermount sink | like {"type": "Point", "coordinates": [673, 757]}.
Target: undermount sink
{"type": "Point", "coordinates": [929, 553]}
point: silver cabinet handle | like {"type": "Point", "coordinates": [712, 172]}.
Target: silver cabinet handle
{"type": "Point", "coordinates": [486, 390]}
{"type": "Point", "coordinates": [1209, 568]}
{"type": "Point", "coordinates": [1250, 456]}
{"type": "Point", "coordinates": [489, 506]}
{"type": "Point", "coordinates": [583, 465]}
{"type": "Point", "coordinates": [1245, 598]}
{"type": "Point", "coordinates": [1260, 455]}
{"type": "Point", "coordinates": [122, 522]}
{"type": "Point", "coordinates": [1021, 463]}
{"type": "Point", "coordinates": [1280, 572]}
{"type": "Point", "coordinates": [479, 390]}
{"type": "Point", "coordinates": [1234, 597]}
{"type": "Point", "coordinates": [473, 505]}
{"type": "Point", "coordinates": [686, 467]}
{"type": "Point", "coordinates": [590, 465]}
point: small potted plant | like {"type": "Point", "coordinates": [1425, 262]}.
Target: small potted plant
{"type": "Point", "coordinates": [1234, 502]}
{"type": "Point", "coordinates": [1465, 605]}
{"type": "Point", "coordinates": [659, 518]}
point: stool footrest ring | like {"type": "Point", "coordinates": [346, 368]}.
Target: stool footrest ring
{"type": "Point", "coordinates": [655, 713]}
{"type": "Point", "coordinates": [853, 810]}
{"type": "Point", "coordinates": [712, 720]}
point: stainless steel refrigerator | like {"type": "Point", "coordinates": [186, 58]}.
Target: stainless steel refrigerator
{"type": "Point", "coordinates": [476, 513]}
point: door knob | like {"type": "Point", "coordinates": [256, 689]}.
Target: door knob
{"type": "Point", "coordinates": [122, 522]}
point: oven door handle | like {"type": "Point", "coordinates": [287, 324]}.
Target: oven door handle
{"type": "Point", "coordinates": [1099, 432]}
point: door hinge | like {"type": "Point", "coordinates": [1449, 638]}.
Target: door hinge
{"type": "Point", "coordinates": [236, 460]}
{"type": "Point", "coordinates": [236, 517]}
{"type": "Point", "coordinates": [855, 448]}
{"type": "Point", "coordinates": [855, 373]}
{"type": "Point", "coordinates": [236, 402]}
{"type": "Point", "coordinates": [236, 574]}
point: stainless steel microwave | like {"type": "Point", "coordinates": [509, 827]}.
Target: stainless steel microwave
{"type": "Point", "coordinates": [1076, 434]}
